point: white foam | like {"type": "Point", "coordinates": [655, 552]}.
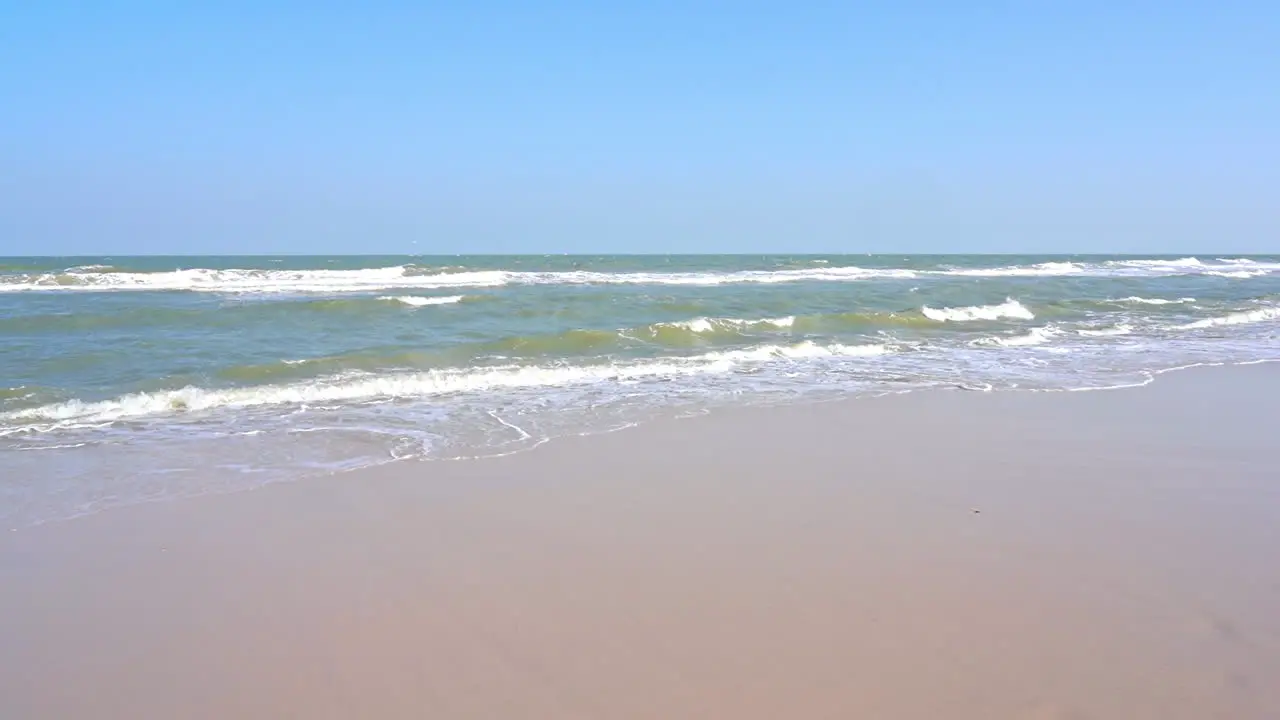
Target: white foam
{"type": "Point", "coordinates": [807, 349]}
{"type": "Point", "coordinates": [1048, 268]}
{"type": "Point", "coordinates": [778, 322]}
{"type": "Point", "coordinates": [1240, 268]}
{"type": "Point", "coordinates": [1121, 329]}
{"type": "Point", "coordinates": [1237, 318]}
{"type": "Point", "coordinates": [364, 387]}
{"type": "Point", "coordinates": [697, 325]}
{"type": "Point", "coordinates": [1037, 336]}
{"type": "Point", "coordinates": [1180, 263]}
{"type": "Point", "coordinates": [1155, 301]}
{"type": "Point", "coordinates": [88, 278]}
{"type": "Point", "coordinates": [1224, 267]}
{"type": "Point", "coordinates": [407, 277]}
{"type": "Point", "coordinates": [708, 325]}
{"type": "Point", "coordinates": [416, 301]}
{"type": "Point", "coordinates": [1008, 309]}
{"type": "Point", "coordinates": [1221, 267]}
{"type": "Point", "coordinates": [255, 281]}
{"type": "Point", "coordinates": [1238, 273]}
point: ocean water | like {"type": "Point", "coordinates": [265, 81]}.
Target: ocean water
{"type": "Point", "coordinates": [128, 379]}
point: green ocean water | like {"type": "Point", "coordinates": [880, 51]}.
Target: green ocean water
{"type": "Point", "coordinates": [127, 379]}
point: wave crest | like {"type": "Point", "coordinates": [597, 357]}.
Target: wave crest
{"type": "Point", "coordinates": [416, 301]}
{"type": "Point", "coordinates": [712, 325]}
{"type": "Point", "coordinates": [1037, 336]}
{"type": "Point", "coordinates": [1121, 329]}
{"type": "Point", "coordinates": [1040, 269]}
{"type": "Point", "coordinates": [1010, 308]}
{"type": "Point", "coordinates": [101, 278]}
{"type": "Point", "coordinates": [1237, 318]}
{"type": "Point", "coordinates": [366, 388]}
{"type": "Point", "coordinates": [408, 277]}
{"type": "Point", "coordinates": [1154, 301]}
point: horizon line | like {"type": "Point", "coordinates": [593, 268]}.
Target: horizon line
{"type": "Point", "coordinates": [1218, 253]}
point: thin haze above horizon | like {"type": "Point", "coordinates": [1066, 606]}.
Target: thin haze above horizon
{"type": "Point", "coordinates": [502, 127]}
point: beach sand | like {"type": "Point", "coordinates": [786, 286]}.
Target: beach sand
{"type": "Point", "coordinates": [941, 555]}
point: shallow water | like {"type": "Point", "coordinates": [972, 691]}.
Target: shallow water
{"type": "Point", "coordinates": [128, 379]}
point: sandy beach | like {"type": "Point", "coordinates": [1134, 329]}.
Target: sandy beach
{"type": "Point", "coordinates": [955, 555]}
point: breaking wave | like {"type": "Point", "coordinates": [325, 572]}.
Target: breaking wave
{"type": "Point", "coordinates": [1037, 336]}
{"type": "Point", "coordinates": [1121, 329]}
{"type": "Point", "coordinates": [1154, 301]}
{"type": "Point", "coordinates": [103, 278]}
{"type": "Point", "coordinates": [1186, 262]}
{"type": "Point", "coordinates": [1008, 309]}
{"type": "Point", "coordinates": [408, 277]}
{"type": "Point", "coordinates": [1237, 318]}
{"type": "Point", "coordinates": [416, 301]}
{"type": "Point", "coordinates": [1040, 269]}
{"type": "Point", "coordinates": [254, 281]}
{"type": "Point", "coordinates": [712, 325]}
{"type": "Point", "coordinates": [412, 385]}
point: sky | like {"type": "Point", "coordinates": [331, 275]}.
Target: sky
{"type": "Point", "coordinates": [660, 126]}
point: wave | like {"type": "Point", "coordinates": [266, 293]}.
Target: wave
{"type": "Point", "coordinates": [711, 325]}
{"type": "Point", "coordinates": [401, 386]}
{"type": "Point", "coordinates": [574, 345]}
{"type": "Point", "coordinates": [1040, 269]}
{"type": "Point", "coordinates": [1244, 274]}
{"type": "Point", "coordinates": [1186, 262]}
{"type": "Point", "coordinates": [416, 301]}
{"type": "Point", "coordinates": [1037, 336]}
{"type": "Point", "coordinates": [407, 277]}
{"type": "Point", "coordinates": [1223, 267]}
{"type": "Point", "coordinates": [807, 349]}
{"type": "Point", "coordinates": [1236, 318]}
{"type": "Point", "coordinates": [101, 278]}
{"type": "Point", "coordinates": [1010, 308]}
{"type": "Point", "coordinates": [229, 316]}
{"type": "Point", "coordinates": [1153, 301]}
{"type": "Point", "coordinates": [678, 334]}
{"type": "Point", "coordinates": [1121, 329]}
{"type": "Point", "coordinates": [1238, 268]}
{"type": "Point", "coordinates": [254, 281]}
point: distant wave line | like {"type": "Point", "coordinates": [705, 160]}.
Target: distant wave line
{"type": "Point", "coordinates": [85, 278]}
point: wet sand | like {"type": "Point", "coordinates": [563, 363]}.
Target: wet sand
{"type": "Point", "coordinates": [936, 555]}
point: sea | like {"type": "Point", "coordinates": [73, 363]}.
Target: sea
{"type": "Point", "coordinates": [135, 379]}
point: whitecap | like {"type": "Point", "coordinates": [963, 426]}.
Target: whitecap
{"type": "Point", "coordinates": [416, 301]}
{"type": "Point", "coordinates": [1010, 308]}
{"type": "Point", "coordinates": [1237, 318]}
{"type": "Point", "coordinates": [1121, 329]}
{"type": "Point", "coordinates": [407, 277]}
{"type": "Point", "coordinates": [1047, 268]}
{"type": "Point", "coordinates": [1037, 336]}
{"type": "Point", "coordinates": [708, 325]}
{"type": "Point", "coordinates": [1154, 301]}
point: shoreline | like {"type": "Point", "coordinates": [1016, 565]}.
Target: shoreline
{"type": "Point", "coordinates": [234, 372]}
{"type": "Point", "coordinates": [655, 415]}
{"type": "Point", "coordinates": [966, 555]}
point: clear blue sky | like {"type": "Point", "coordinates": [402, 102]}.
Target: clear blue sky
{"type": "Point", "coordinates": [487, 126]}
